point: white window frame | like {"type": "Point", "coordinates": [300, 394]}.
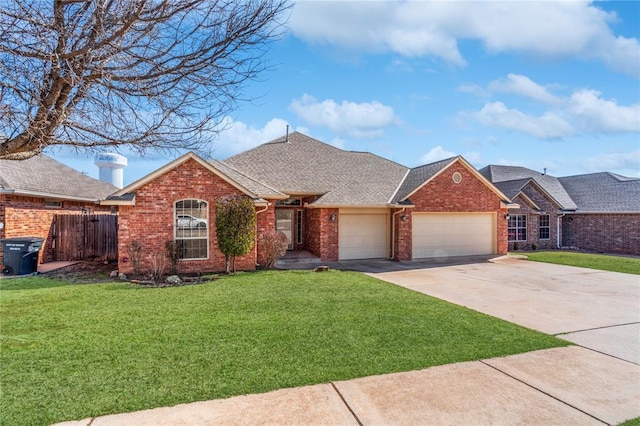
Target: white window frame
{"type": "Point", "coordinates": [547, 227]}
{"type": "Point", "coordinates": [184, 211]}
{"type": "Point", "coordinates": [516, 218]}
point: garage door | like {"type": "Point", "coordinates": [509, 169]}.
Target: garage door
{"type": "Point", "coordinates": [363, 236]}
{"type": "Point", "coordinates": [452, 234]}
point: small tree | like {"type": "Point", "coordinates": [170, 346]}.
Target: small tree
{"type": "Point", "coordinates": [273, 245]}
{"type": "Point", "coordinates": [173, 254]}
{"type": "Point", "coordinates": [235, 227]}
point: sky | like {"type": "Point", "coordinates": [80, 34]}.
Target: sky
{"type": "Point", "coordinates": [540, 84]}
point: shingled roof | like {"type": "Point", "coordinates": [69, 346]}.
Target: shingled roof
{"type": "Point", "coordinates": [301, 165]}
{"type": "Point", "coordinates": [42, 176]}
{"type": "Point", "coordinates": [603, 192]}
{"type": "Point", "coordinates": [419, 175]}
{"type": "Point", "coordinates": [550, 184]}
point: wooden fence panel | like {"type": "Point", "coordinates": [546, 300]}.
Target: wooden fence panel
{"type": "Point", "coordinates": [86, 237]}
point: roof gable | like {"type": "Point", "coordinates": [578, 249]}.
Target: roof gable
{"type": "Point", "coordinates": [240, 182]}
{"type": "Point", "coordinates": [550, 184]}
{"type": "Point", "coordinates": [42, 176]}
{"type": "Point", "coordinates": [418, 177]}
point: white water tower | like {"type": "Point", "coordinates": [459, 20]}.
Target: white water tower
{"type": "Point", "coordinates": [111, 168]}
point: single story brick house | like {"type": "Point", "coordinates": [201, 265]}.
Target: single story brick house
{"type": "Point", "coordinates": [596, 212]}
{"type": "Point", "coordinates": [33, 191]}
{"type": "Point", "coordinates": [336, 204]}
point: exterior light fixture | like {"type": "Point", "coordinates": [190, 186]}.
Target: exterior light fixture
{"type": "Point", "coordinates": [404, 217]}
{"type": "Point", "coordinates": [332, 217]}
{"type": "Point", "coordinates": [507, 216]}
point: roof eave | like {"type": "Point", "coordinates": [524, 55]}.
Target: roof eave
{"type": "Point", "coordinates": [47, 195]}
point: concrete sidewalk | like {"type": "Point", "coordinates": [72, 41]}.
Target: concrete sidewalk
{"type": "Point", "coordinates": [571, 385]}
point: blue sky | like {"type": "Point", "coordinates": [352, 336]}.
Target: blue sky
{"type": "Point", "coordinates": [547, 84]}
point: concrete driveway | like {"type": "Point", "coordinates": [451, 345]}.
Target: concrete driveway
{"type": "Point", "coordinates": [596, 309]}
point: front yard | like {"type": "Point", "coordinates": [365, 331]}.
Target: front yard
{"type": "Point", "coordinates": [74, 351]}
{"type": "Point", "coordinates": [628, 265]}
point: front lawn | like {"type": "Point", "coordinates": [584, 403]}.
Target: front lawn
{"type": "Point", "coordinates": [629, 265]}
{"type": "Point", "coordinates": [75, 351]}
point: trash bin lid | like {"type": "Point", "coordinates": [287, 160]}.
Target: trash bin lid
{"type": "Point", "coordinates": [23, 239]}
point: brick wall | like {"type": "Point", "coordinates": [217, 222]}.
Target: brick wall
{"type": "Point", "coordinates": [533, 220]}
{"type": "Point", "coordinates": [28, 217]}
{"type": "Point", "coordinates": [151, 220]}
{"type": "Point", "coordinates": [402, 239]}
{"type": "Point", "coordinates": [607, 233]}
{"type": "Point", "coordinates": [321, 233]}
{"type": "Point", "coordinates": [470, 195]}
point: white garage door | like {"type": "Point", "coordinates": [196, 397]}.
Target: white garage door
{"type": "Point", "coordinates": [363, 236]}
{"type": "Point", "coordinates": [453, 234]}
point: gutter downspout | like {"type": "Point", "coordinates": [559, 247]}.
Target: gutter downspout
{"type": "Point", "coordinates": [558, 237]}
{"type": "Point", "coordinates": [393, 232]}
{"type": "Point", "coordinates": [255, 243]}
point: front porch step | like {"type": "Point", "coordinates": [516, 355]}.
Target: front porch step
{"type": "Point", "coordinates": [298, 260]}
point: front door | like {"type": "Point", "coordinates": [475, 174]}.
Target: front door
{"type": "Point", "coordinates": [284, 224]}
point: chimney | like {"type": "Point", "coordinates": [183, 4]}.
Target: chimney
{"type": "Point", "coordinates": [111, 168]}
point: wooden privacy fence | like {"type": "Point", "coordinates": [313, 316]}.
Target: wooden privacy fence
{"type": "Point", "coordinates": [85, 237]}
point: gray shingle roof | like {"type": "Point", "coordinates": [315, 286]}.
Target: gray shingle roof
{"type": "Point", "coordinates": [46, 177]}
{"type": "Point", "coordinates": [248, 182]}
{"type": "Point", "coordinates": [304, 165]}
{"type": "Point", "coordinates": [604, 192]}
{"type": "Point", "coordinates": [417, 176]}
{"type": "Point", "coordinates": [511, 188]}
{"type": "Point", "coordinates": [550, 184]}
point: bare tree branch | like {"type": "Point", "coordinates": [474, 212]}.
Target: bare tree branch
{"type": "Point", "coordinates": [151, 74]}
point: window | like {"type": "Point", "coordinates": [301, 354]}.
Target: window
{"type": "Point", "coordinates": [299, 227]}
{"type": "Point", "coordinates": [289, 202]}
{"type": "Point", "coordinates": [53, 204]}
{"type": "Point", "coordinates": [517, 227]}
{"type": "Point", "coordinates": [544, 227]}
{"type": "Point", "coordinates": [191, 225]}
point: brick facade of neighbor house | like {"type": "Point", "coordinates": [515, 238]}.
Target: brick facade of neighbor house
{"type": "Point", "coordinates": [607, 233]}
{"type": "Point", "coordinates": [533, 220]}
{"type": "Point", "coordinates": [23, 216]}
{"type": "Point", "coordinates": [471, 195]}
{"type": "Point", "coordinates": [321, 233]}
{"type": "Point", "coordinates": [151, 220]}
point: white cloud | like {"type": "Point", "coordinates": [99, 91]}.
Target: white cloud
{"type": "Point", "coordinates": [629, 161]}
{"type": "Point", "coordinates": [238, 136]}
{"type": "Point", "coordinates": [359, 120]}
{"type": "Point", "coordinates": [523, 86]}
{"type": "Point", "coordinates": [584, 111]}
{"type": "Point", "coordinates": [602, 115]}
{"type": "Point", "coordinates": [558, 29]}
{"type": "Point", "coordinates": [436, 154]}
{"type": "Point", "coordinates": [547, 126]}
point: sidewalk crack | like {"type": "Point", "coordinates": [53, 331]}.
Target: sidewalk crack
{"type": "Point", "coordinates": [346, 403]}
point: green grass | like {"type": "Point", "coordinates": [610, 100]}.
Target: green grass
{"type": "Point", "coordinates": [632, 422]}
{"type": "Point", "coordinates": [629, 265]}
{"type": "Point", "coordinates": [75, 351]}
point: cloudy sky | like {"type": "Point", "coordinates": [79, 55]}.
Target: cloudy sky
{"type": "Point", "coordinates": [546, 84]}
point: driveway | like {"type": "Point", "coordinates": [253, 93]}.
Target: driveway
{"type": "Point", "coordinates": [596, 309]}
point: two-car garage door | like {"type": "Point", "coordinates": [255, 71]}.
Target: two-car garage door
{"type": "Point", "coordinates": [453, 234]}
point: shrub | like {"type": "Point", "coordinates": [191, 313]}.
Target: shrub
{"type": "Point", "coordinates": [235, 227]}
{"type": "Point", "coordinates": [173, 254]}
{"type": "Point", "coordinates": [273, 245]}
{"type": "Point", "coordinates": [134, 250]}
{"type": "Point", "coordinates": [158, 263]}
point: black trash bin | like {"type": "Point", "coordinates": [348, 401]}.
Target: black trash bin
{"type": "Point", "coordinates": [21, 255]}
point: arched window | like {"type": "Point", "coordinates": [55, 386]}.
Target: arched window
{"type": "Point", "coordinates": [191, 228]}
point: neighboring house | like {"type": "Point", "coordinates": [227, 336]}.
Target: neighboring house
{"type": "Point", "coordinates": [598, 212]}
{"type": "Point", "coordinates": [333, 203]}
{"type": "Point", "coordinates": [608, 215]}
{"type": "Point", "coordinates": [33, 191]}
